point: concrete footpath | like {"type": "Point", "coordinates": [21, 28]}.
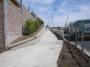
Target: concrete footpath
{"type": "Point", "coordinates": [44, 53]}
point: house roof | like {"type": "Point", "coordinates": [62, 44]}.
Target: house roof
{"type": "Point", "coordinates": [15, 2]}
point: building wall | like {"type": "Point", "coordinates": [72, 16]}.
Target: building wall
{"type": "Point", "coordinates": [26, 15]}
{"type": "Point", "coordinates": [13, 20]}
{"type": "Point", "coordinates": [1, 26]}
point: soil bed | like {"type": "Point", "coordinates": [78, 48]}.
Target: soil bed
{"type": "Point", "coordinates": [70, 56]}
{"type": "Point", "coordinates": [23, 37]}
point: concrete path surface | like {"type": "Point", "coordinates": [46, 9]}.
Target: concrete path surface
{"type": "Point", "coordinates": [44, 53]}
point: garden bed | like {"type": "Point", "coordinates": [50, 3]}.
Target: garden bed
{"type": "Point", "coordinates": [71, 56]}
{"type": "Point", "coordinates": [23, 37]}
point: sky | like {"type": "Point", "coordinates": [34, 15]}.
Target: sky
{"type": "Point", "coordinates": [75, 9]}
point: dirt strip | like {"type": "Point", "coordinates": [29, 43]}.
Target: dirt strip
{"type": "Point", "coordinates": [70, 56]}
{"type": "Point", "coordinates": [23, 37]}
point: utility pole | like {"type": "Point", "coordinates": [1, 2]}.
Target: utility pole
{"type": "Point", "coordinates": [82, 45]}
{"type": "Point", "coordinates": [28, 8]}
{"type": "Point", "coordinates": [21, 7]}
{"type": "Point", "coordinates": [66, 21]}
{"type": "Point", "coordinates": [76, 35]}
{"type": "Point", "coordinates": [52, 17]}
{"type": "Point", "coordinates": [21, 15]}
{"type": "Point", "coordinates": [66, 29]}
{"type": "Point", "coordinates": [66, 24]}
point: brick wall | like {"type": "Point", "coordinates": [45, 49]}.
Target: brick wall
{"type": "Point", "coordinates": [13, 20]}
{"type": "Point", "coordinates": [1, 27]}
{"type": "Point", "coordinates": [26, 15]}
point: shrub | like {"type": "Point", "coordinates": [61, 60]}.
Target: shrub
{"type": "Point", "coordinates": [40, 21]}
{"type": "Point", "coordinates": [31, 26]}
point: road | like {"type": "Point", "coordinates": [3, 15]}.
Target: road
{"type": "Point", "coordinates": [44, 53]}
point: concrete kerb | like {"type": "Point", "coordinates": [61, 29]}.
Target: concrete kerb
{"type": "Point", "coordinates": [27, 40]}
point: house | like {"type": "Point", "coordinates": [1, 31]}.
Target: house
{"type": "Point", "coordinates": [12, 18]}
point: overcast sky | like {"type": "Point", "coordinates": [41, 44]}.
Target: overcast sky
{"type": "Point", "coordinates": [76, 9]}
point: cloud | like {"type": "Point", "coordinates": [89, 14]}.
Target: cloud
{"type": "Point", "coordinates": [76, 9]}
{"type": "Point", "coordinates": [84, 7]}
{"type": "Point", "coordinates": [38, 2]}
{"type": "Point", "coordinates": [83, 12]}
{"type": "Point", "coordinates": [39, 6]}
{"type": "Point", "coordinates": [60, 20]}
{"type": "Point", "coordinates": [42, 2]}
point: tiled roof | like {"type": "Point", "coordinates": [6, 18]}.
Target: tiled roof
{"type": "Point", "coordinates": [16, 3]}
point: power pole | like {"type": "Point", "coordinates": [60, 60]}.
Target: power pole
{"type": "Point", "coordinates": [52, 16]}
{"type": "Point", "coordinates": [21, 6]}
{"type": "Point", "coordinates": [21, 15]}
{"type": "Point", "coordinates": [28, 8]}
{"type": "Point", "coordinates": [66, 24]}
{"type": "Point", "coordinates": [66, 21]}
{"type": "Point", "coordinates": [82, 45]}
{"type": "Point", "coordinates": [76, 35]}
